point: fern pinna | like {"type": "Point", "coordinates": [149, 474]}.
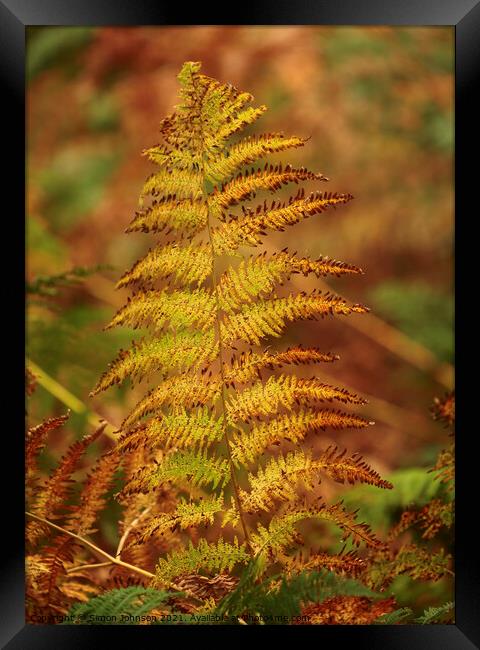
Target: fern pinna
{"type": "Point", "coordinates": [223, 404]}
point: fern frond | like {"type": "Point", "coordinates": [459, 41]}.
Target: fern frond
{"type": "Point", "coordinates": [183, 184]}
{"type": "Point", "coordinates": [188, 215]}
{"type": "Point", "coordinates": [35, 441]}
{"type": "Point", "coordinates": [347, 610]}
{"type": "Point", "coordinates": [435, 614]}
{"type": "Point", "coordinates": [349, 469]}
{"type": "Point", "coordinates": [179, 309]}
{"type": "Point", "coordinates": [258, 275]}
{"type": "Point", "coordinates": [186, 514]}
{"type": "Point", "coordinates": [293, 427]}
{"type": "Point", "coordinates": [284, 391]}
{"type": "Point", "coordinates": [247, 151]}
{"type": "Point", "coordinates": [344, 563]}
{"type": "Point", "coordinates": [189, 264]}
{"type": "Point", "coordinates": [395, 617]}
{"type": "Point", "coordinates": [246, 185]}
{"type": "Point", "coordinates": [445, 467]}
{"type": "Point", "coordinates": [281, 476]}
{"type": "Point", "coordinates": [93, 495]}
{"type": "Point", "coordinates": [119, 607]}
{"type": "Point", "coordinates": [280, 534]}
{"type": "Point", "coordinates": [385, 564]}
{"type": "Point", "coordinates": [444, 408]}
{"type": "Point", "coordinates": [269, 317]}
{"type": "Point", "coordinates": [278, 603]}
{"type": "Point", "coordinates": [188, 390]}
{"type": "Point", "coordinates": [248, 364]}
{"type": "Point", "coordinates": [198, 429]}
{"type": "Point", "coordinates": [210, 557]}
{"type": "Point", "coordinates": [178, 351]}
{"type": "Point", "coordinates": [54, 493]}
{"type": "Point", "coordinates": [248, 230]}
{"type": "Point", "coordinates": [195, 467]}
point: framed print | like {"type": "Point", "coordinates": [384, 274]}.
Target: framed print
{"type": "Point", "coordinates": [240, 322]}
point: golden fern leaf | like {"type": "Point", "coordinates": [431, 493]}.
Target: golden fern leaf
{"type": "Point", "coordinates": [269, 317]}
{"type": "Point", "coordinates": [247, 151]}
{"type": "Point", "coordinates": [211, 557]}
{"type": "Point", "coordinates": [248, 230]}
{"type": "Point", "coordinates": [248, 364]}
{"type": "Point", "coordinates": [180, 309]}
{"type": "Point", "coordinates": [177, 392]}
{"type": "Point", "coordinates": [193, 316]}
{"type": "Point", "coordinates": [180, 183]}
{"type": "Point", "coordinates": [293, 427]}
{"type": "Point", "coordinates": [284, 391]}
{"type": "Point", "coordinates": [172, 213]}
{"type": "Point", "coordinates": [279, 480]}
{"type": "Point", "coordinates": [184, 264]}
{"type": "Point", "coordinates": [182, 429]}
{"type": "Point", "coordinates": [195, 467]}
{"type": "Point", "coordinates": [186, 514]}
{"type": "Point", "coordinates": [246, 185]}
{"type": "Point", "coordinates": [177, 351]}
{"type": "Point", "coordinates": [280, 534]}
{"type": "Point", "coordinates": [257, 276]}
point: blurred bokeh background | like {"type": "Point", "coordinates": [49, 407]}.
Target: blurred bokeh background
{"type": "Point", "coordinates": [377, 104]}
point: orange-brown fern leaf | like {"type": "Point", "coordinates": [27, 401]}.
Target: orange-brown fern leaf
{"type": "Point", "coordinates": [44, 574]}
{"type": "Point", "coordinates": [349, 469]}
{"type": "Point", "coordinates": [431, 518]}
{"type": "Point", "coordinates": [344, 563]}
{"type": "Point", "coordinates": [444, 409]}
{"type": "Point", "coordinates": [56, 490]}
{"type": "Point", "coordinates": [35, 441]}
{"type": "Point", "coordinates": [93, 495]}
{"type": "Point", "coordinates": [346, 610]}
{"type": "Point", "coordinates": [30, 382]}
{"type": "Point", "coordinates": [247, 365]}
{"type": "Point", "coordinates": [358, 532]}
{"type": "Point", "coordinates": [385, 564]}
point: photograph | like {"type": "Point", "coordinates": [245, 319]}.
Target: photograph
{"type": "Point", "coordinates": [239, 376]}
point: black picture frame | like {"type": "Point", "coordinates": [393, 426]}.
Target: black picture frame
{"type": "Point", "coordinates": [15, 17]}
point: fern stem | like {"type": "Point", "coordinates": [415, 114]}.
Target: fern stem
{"type": "Point", "coordinates": [222, 375]}
{"type": "Point", "coordinates": [93, 547]}
{"type": "Point", "coordinates": [110, 558]}
{"type": "Point", "coordinates": [94, 565]}
{"type": "Point", "coordinates": [220, 350]}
